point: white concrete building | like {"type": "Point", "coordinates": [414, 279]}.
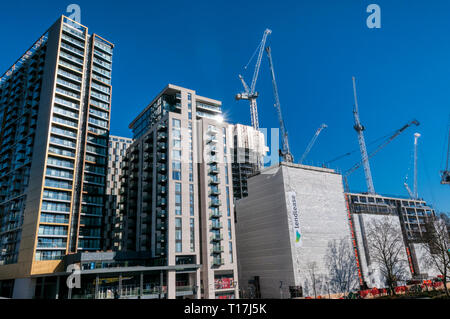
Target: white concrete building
{"type": "Point", "coordinates": [291, 215]}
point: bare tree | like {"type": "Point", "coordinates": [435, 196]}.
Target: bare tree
{"type": "Point", "coordinates": [437, 254]}
{"type": "Point", "coordinates": [312, 274]}
{"type": "Point", "coordinates": [341, 264]}
{"type": "Point", "coordinates": [386, 250]}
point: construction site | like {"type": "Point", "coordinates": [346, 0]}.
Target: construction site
{"type": "Point", "coordinates": [294, 212]}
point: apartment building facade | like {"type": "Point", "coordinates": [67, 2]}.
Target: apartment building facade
{"type": "Point", "coordinates": [248, 151]}
{"type": "Point", "coordinates": [113, 221]}
{"type": "Point", "coordinates": [55, 111]}
{"type": "Point", "coordinates": [177, 193]}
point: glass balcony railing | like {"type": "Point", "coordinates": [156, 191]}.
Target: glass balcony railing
{"type": "Point", "coordinates": [216, 226]}
{"type": "Point", "coordinates": [216, 237]}
{"type": "Point", "coordinates": [216, 249]}
{"type": "Point", "coordinates": [217, 261]}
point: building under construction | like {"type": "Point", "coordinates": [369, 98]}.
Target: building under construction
{"type": "Point", "coordinates": [409, 216]}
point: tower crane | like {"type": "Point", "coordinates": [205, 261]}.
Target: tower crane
{"type": "Point", "coordinates": [414, 194]}
{"type": "Point", "coordinates": [379, 148]}
{"type": "Point", "coordinates": [313, 141]}
{"type": "Point", "coordinates": [445, 177]}
{"type": "Point", "coordinates": [285, 152]}
{"type": "Point", "coordinates": [362, 143]}
{"type": "Point", "coordinates": [249, 92]}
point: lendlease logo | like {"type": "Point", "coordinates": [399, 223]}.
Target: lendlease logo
{"type": "Point", "coordinates": [295, 218]}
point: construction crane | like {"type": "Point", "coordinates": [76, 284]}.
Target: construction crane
{"type": "Point", "coordinates": [413, 194]}
{"type": "Point", "coordinates": [362, 143]}
{"type": "Point", "coordinates": [285, 152]}
{"type": "Point", "coordinates": [379, 148]}
{"type": "Point", "coordinates": [445, 174]}
{"type": "Point", "coordinates": [249, 92]}
{"type": "Point", "coordinates": [313, 141]}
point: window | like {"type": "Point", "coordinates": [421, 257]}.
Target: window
{"type": "Point", "coordinates": [192, 234]}
{"type": "Point", "coordinates": [229, 229]}
{"type": "Point", "coordinates": [177, 143]}
{"type": "Point", "coordinates": [176, 175]}
{"type": "Point", "coordinates": [228, 201]}
{"type": "Point", "coordinates": [178, 199]}
{"type": "Point", "coordinates": [176, 123]}
{"type": "Point", "coordinates": [191, 199]}
{"type": "Point", "coordinates": [176, 155]}
{"type": "Point", "coordinates": [231, 251]}
{"type": "Point", "coordinates": [178, 235]}
{"type": "Point", "coordinates": [226, 172]}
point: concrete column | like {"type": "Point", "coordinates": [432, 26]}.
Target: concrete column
{"type": "Point", "coordinates": [197, 283]}
{"type": "Point", "coordinates": [171, 287]}
{"type": "Point", "coordinates": [96, 286]}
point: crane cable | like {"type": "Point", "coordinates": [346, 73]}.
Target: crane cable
{"type": "Point", "coordinates": [385, 137]}
{"type": "Point", "coordinates": [249, 61]}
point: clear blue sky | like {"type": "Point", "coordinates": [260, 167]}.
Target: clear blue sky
{"type": "Point", "coordinates": [402, 69]}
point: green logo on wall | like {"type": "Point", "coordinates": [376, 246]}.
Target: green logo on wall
{"type": "Point", "coordinates": [298, 236]}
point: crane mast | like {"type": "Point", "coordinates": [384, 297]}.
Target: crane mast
{"type": "Point", "coordinates": [414, 193]}
{"type": "Point", "coordinates": [249, 92]}
{"type": "Point", "coordinates": [445, 177]}
{"type": "Point", "coordinates": [313, 141]}
{"type": "Point", "coordinates": [285, 152]}
{"type": "Point", "coordinates": [416, 138]}
{"type": "Point", "coordinates": [379, 148]}
{"type": "Point", "coordinates": [362, 144]}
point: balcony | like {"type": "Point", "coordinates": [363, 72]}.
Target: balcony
{"type": "Point", "coordinates": [217, 249]}
{"type": "Point", "coordinates": [161, 213]}
{"type": "Point", "coordinates": [216, 238]}
{"type": "Point", "coordinates": [214, 181]}
{"type": "Point", "coordinates": [211, 141]}
{"type": "Point", "coordinates": [162, 179]}
{"type": "Point", "coordinates": [216, 226]}
{"type": "Point", "coordinates": [213, 170]}
{"type": "Point", "coordinates": [212, 130]}
{"type": "Point", "coordinates": [215, 215]}
{"type": "Point", "coordinates": [161, 190]}
{"type": "Point", "coordinates": [162, 157]}
{"type": "Point", "coordinates": [161, 202]}
{"type": "Point", "coordinates": [162, 136]}
{"type": "Point", "coordinates": [162, 146]}
{"type": "Point", "coordinates": [217, 262]}
{"type": "Point", "coordinates": [214, 192]}
{"type": "Point", "coordinates": [215, 203]}
{"type": "Point", "coordinates": [161, 168]}
{"type": "Point", "coordinates": [161, 127]}
{"type": "Point", "coordinates": [160, 252]}
{"type": "Point", "coordinates": [212, 160]}
{"type": "Point", "coordinates": [148, 146]}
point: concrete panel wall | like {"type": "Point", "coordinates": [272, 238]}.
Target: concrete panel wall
{"type": "Point", "coordinates": [425, 267]}
{"type": "Point", "coordinates": [266, 236]}
{"type": "Point", "coordinates": [322, 217]}
{"type": "Point", "coordinates": [370, 268]}
{"type": "Point", "coordinates": [262, 236]}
